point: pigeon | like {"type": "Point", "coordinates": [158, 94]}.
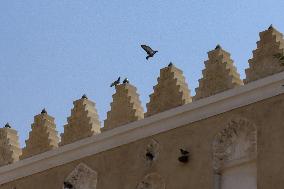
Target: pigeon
{"type": "Point", "coordinates": [115, 82]}
{"type": "Point", "coordinates": [183, 152]}
{"type": "Point", "coordinates": [67, 185]}
{"type": "Point", "coordinates": [218, 47]}
{"type": "Point", "coordinates": [84, 96]}
{"type": "Point", "coordinates": [7, 125]}
{"type": "Point", "coordinates": [184, 156]}
{"type": "Point", "coordinates": [43, 111]}
{"type": "Point", "coordinates": [170, 64]}
{"type": "Point", "coordinates": [150, 52]}
{"type": "Point", "coordinates": [125, 80]}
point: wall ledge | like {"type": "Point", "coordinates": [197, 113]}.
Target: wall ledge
{"type": "Point", "coordinates": [161, 122]}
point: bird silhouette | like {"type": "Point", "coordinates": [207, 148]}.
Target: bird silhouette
{"type": "Point", "coordinates": [115, 82]}
{"type": "Point", "coordinates": [125, 80]}
{"type": "Point", "coordinates": [150, 52]}
{"type": "Point", "coordinates": [170, 64]}
{"type": "Point", "coordinates": [183, 152]}
{"type": "Point", "coordinates": [84, 96]}
{"type": "Point", "coordinates": [43, 111]}
{"type": "Point", "coordinates": [7, 125]}
{"type": "Point", "coordinates": [184, 156]}
{"type": "Point", "coordinates": [67, 185]}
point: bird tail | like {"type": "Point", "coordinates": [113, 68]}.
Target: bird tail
{"type": "Point", "coordinates": [147, 57]}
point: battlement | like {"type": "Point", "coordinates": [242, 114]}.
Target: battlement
{"type": "Point", "coordinates": [171, 97]}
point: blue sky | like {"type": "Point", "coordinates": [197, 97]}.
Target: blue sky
{"type": "Point", "coordinates": [52, 52]}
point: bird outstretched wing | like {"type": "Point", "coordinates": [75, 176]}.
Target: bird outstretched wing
{"type": "Point", "coordinates": [147, 49]}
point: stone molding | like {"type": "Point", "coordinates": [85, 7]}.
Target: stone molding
{"type": "Point", "coordinates": [237, 141]}
{"type": "Point", "coordinates": [83, 177]}
{"type": "Point", "coordinates": [162, 122]}
{"type": "Point", "coordinates": [152, 181]}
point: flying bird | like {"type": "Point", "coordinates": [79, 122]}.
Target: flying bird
{"type": "Point", "coordinates": [125, 80]}
{"type": "Point", "coordinates": [150, 52]}
{"type": "Point", "coordinates": [115, 82]}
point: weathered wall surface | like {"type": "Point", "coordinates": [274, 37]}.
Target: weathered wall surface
{"type": "Point", "coordinates": [125, 166]}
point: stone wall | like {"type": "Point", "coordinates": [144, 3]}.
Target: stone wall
{"type": "Point", "coordinates": [127, 166]}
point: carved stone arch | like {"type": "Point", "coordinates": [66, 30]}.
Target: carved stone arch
{"type": "Point", "coordinates": [82, 177]}
{"type": "Point", "coordinates": [152, 181]}
{"type": "Point", "coordinates": [237, 142]}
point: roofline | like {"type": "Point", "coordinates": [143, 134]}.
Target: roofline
{"type": "Point", "coordinates": [158, 123]}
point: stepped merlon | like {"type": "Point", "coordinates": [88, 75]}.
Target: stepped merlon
{"type": "Point", "coordinates": [125, 108]}
{"type": "Point", "coordinates": [219, 74]}
{"type": "Point", "coordinates": [268, 58]}
{"type": "Point", "coordinates": [43, 136]}
{"type": "Point", "coordinates": [170, 92]}
{"type": "Point", "coordinates": [83, 122]}
{"type": "Point", "coordinates": [9, 145]}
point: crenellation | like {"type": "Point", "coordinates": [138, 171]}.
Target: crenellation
{"type": "Point", "coordinates": [219, 74]}
{"type": "Point", "coordinates": [170, 92]}
{"type": "Point", "coordinates": [43, 136]}
{"type": "Point", "coordinates": [265, 61]}
{"type": "Point", "coordinates": [83, 122]}
{"type": "Point", "coordinates": [125, 108]}
{"type": "Point", "coordinates": [9, 145]}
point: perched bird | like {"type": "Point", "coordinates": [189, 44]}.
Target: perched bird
{"type": "Point", "coordinates": [7, 125]}
{"type": "Point", "coordinates": [67, 185]}
{"type": "Point", "coordinates": [125, 80]}
{"type": "Point", "coordinates": [183, 152]}
{"type": "Point", "coordinates": [218, 47]}
{"type": "Point", "coordinates": [84, 96]}
{"type": "Point", "coordinates": [170, 64]}
{"type": "Point", "coordinates": [43, 111]}
{"type": "Point", "coordinates": [115, 82]}
{"type": "Point", "coordinates": [184, 156]}
{"type": "Point", "coordinates": [150, 52]}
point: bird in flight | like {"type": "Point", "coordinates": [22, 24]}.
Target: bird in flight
{"type": "Point", "coordinates": [115, 82]}
{"type": "Point", "coordinates": [150, 52]}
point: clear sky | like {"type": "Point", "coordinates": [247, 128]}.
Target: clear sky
{"type": "Point", "coordinates": [52, 52]}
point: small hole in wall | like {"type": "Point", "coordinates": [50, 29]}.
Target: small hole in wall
{"type": "Point", "coordinates": [68, 185]}
{"type": "Point", "coordinates": [184, 156]}
{"type": "Point", "coordinates": [150, 156]}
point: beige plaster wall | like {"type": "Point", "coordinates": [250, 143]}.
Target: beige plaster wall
{"type": "Point", "coordinates": [125, 166]}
